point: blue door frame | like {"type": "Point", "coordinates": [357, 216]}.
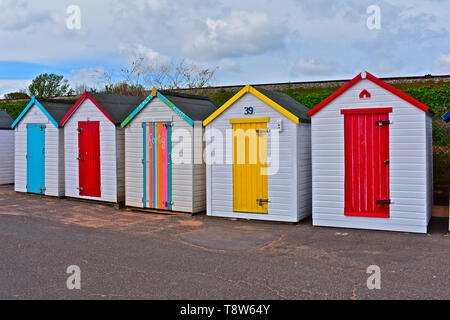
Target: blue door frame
{"type": "Point", "coordinates": [36, 158]}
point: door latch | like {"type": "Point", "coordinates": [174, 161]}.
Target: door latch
{"type": "Point", "coordinates": [383, 123]}
{"type": "Point", "coordinates": [80, 130]}
{"type": "Point", "coordinates": [382, 203]}
{"type": "Point", "coordinates": [262, 201]}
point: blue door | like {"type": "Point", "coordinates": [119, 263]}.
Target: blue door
{"type": "Point", "coordinates": [36, 158]}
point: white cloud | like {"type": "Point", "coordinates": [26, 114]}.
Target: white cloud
{"type": "Point", "coordinates": [228, 65]}
{"type": "Point", "coordinates": [152, 58]}
{"type": "Point", "coordinates": [91, 78]}
{"type": "Point", "coordinates": [241, 33]}
{"type": "Point", "coordinates": [314, 67]}
{"type": "Point", "coordinates": [442, 63]}
{"type": "Point", "coordinates": [8, 86]}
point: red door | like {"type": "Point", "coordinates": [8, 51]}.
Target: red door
{"type": "Point", "coordinates": [89, 158]}
{"type": "Point", "coordinates": [367, 162]}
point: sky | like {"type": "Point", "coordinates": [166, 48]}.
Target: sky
{"type": "Point", "coordinates": [251, 41]}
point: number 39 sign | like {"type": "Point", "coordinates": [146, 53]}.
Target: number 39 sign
{"type": "Point", "coordinates": [248, 110]}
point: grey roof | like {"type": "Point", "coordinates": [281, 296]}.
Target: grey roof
{"type": "Point", "coordinates": [288, 103]}
{"type": "Point", "coordinates": [118, 107]}
{"type": "Point", "coordinates": [57, 108]}
{"type": "Point", "coordinates": [5, 120]}
{"type": "Point", "coordinates": [195, 107]}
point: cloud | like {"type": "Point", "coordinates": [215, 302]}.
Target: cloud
{"type": "Point", "coordinates": [152, 58]}
{"type": "Point", "coordinates": [241, 33]}
{"type": "Point", "coordinates": [314, 67]}
{"type": "Point", "coordinates": [7, 86]}
{"type": "Point", "coordinates": [228, 65]}
{"type": "Point", "coordinates": [16, 15]}
{"type": "Point", "coordinates": [442, 63]}
{"type": "Point", "coordinates": [91, 78]}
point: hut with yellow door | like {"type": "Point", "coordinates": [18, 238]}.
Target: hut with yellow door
{"type": "Point", "coordinates": [258, 158]}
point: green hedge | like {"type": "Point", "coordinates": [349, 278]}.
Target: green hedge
{"type": "Point", "coordinates": [14, 108]}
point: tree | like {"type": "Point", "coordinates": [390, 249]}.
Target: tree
{"type": "Point", "coordinates": [141, 74]}
{"type": "Point", "coordinates": [49, 86]}
{"type": "Point", "coordinates": [16, 95]}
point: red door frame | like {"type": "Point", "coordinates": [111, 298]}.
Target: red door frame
{"type": "Point", "coordinates": [89, 158]}
{"type": "Point", "coordinates": [366, 162]}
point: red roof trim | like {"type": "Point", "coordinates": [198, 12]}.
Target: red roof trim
{"type": "Point", "coordinates": [78, 103]}
{"type": "Point", "coordinates": [375, 80]}
{"type": "Point", "coordinates": [397, 92]}
{"type": "Point", "coordinates": [365, 111]}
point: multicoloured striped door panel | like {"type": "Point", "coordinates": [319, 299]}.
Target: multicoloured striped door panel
{"type": "Point", "coordinates": [89, 158]}
{"type": "Point", "coordinates": [36, 158]}
{"type": "Point", "coordinates": [367, 162]}
{"type": "Point", "coordinates": [250, 182]}
{"type": "Point", "coordinates": [157, 164]}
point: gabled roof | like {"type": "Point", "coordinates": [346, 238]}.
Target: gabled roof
{"type": "Point", "coordinates": [54, 109]}
{"type": "Point", "coordinates": [281, 102]}
{"type": "Point", "coordinates": [368, 76]}
{"type": "Point", "coordinates": [446, 116]}
{"type": "Point", "coordinates": [189, 107]}
{"type": "Point", "coordinates": [5, 120]}
{"type": "Point", "coordinates": [115, 107]}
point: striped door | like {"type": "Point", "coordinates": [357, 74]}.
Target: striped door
{"type": "Point", "coordinates": [36, 158]}
{"type": "Point", "coordinates": [89, 158]}
{"type": "Point", "coordinates": [157, 165]}
{"type": "Point", "coordinates": [250, 183]}
{"type": "Point", "coordinates": [367, 162]}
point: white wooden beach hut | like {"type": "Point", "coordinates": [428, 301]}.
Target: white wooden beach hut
{"type": "Point", "coordinates": [263, 171]}
{"type": "Point", "coordinates": [372, 158]}
{"type": "Point", "coordinates": [164, 152]}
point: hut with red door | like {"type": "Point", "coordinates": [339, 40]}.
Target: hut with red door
{"type": "Point", "coordinates": [94, 145]}
{"type": "Point", "coordinates": [372, 158]}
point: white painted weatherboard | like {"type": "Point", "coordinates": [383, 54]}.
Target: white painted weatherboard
{"type": "Point", "coordinates": [6, 156]}
{"type": "Point", "coordinates": [110, 159]}
{"type": "Point", "coordinates": [287, 195]}
{"type": "Point", "coordinates": [188, 184]}
{"type": "Point", "coordinates": [54, 153]}
{"type": "Point", "coordinates": [409, 188]}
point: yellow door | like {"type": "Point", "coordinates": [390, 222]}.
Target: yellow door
{"type": "Point", "coordinates": [250, 189]}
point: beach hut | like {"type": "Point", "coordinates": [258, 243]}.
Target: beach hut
{"type": "Point", "coordinates": [39, 147]}
{"type": "Point", "coordinates": [164, 152]}
{"type": "Point", "coordinates": [6, 149]}
{"type": "Point", "coordinates": [259, 158]}
{"type": "Point", "coordinates": [95, 147]}
{"type": "Point", "coordinates": [372, 158]}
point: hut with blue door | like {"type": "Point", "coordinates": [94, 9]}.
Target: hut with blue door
{"type": "Point", "coordinates": [39, 147]}
{"type": "Point", "coordinates": [6, 149]}
{"type": "Point", "coordinates": [164, 153]}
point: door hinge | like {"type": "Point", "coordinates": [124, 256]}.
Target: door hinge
{"type": "Point", "coordinates": [167, 125]}
{"type": "Point", "coordinates": [384, 123]}
{"type": "Point", "coordinates": [80, 159]}
{"type": "Point", "coordinates": [145, 162]}
{"type": "Point", "coordinates": [28, 157]}
{"type": "Point", "coordinates": [28, 187]}
{"type": "Point", "coordinates": [146, 201]}
{"type": "Point", "coordinates": [80, 189]}
{"type": "Point", "coordinates": [262, 201]}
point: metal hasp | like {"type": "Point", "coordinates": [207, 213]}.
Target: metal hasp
{"type": "Point", "coordinates": [383, 123]}
{"type": "Point", "coordinates": [262, 201]}
{"type": "Point", "coordinates": [80, 130]}
{"type": "Point", "coordinates": [382, 203]}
